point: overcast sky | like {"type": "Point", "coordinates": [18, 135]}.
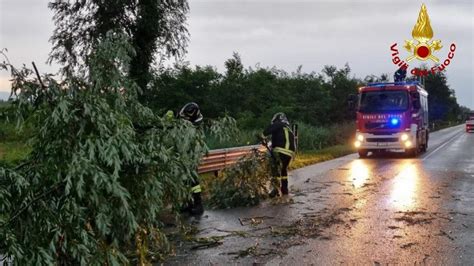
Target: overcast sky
{"type": "Point", "coordinates": [282, 33]}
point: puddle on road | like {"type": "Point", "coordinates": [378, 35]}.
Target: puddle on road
{"type": "Point", "coordinates": [359, 173]}
{"type": "Point", "coordinates": [405, 188]}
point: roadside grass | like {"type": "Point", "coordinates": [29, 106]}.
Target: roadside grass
{"type": "Point", "coordinates": [11, 152]}
{"type": "Point", "coordinates": [438, 125]}
{"type": "Point", "coordinates": [306, 158]}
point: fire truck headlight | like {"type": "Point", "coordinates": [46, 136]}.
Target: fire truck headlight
{"type": "Point", "coordinates": [408, 144]}
{"type": "Point", "coordinates": [360, 138]}
{"type": "Point", "coordinates": [357, 144]}
{"type": "Point", "coordinates": [404, 137]}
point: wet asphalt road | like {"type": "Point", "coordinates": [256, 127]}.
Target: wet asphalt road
{"type": "Point", "coordinates": [384, 210]}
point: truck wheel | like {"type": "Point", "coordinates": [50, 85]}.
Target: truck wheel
{"type": "Point", "coordinates": [424, 147]}
{"type": "Point", "coordinates": [411, 153]}
{"type": "Point", "coordinates": [363, 153]}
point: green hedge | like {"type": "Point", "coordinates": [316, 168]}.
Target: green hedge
{"type": "Point", "coordinates": [309, 137]}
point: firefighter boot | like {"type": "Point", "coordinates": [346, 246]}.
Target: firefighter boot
{"type": "Point", "coordinates": [274, 193]}
{"type": "Point", "coordinates": [185, 208]}
{"type": "Point", "coordinates": [196, 207]}
{"type": "Point", "coordinates": [284, 186]}
{"type": "Point", "coordinates": [275, 185]}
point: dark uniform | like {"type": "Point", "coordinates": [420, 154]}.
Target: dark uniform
{"type": "Point", "coordinates": [192, 113]}
{"type": "Point", "coordinates": [283, 148]}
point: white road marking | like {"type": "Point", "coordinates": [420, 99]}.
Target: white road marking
{"type": "Point", "coordinates": [442, 145]}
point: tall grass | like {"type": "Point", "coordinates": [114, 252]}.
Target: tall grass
{"type": "Point", "coordinates": [13, 140]}
{"type": "Point", "coordinates": [12, 152]}
{"type": "Point", "coordinates": [310, 137]}
{"type": "Point", "coordinates": [316, 138]}
{"type": "Point", "coordinates": [242, 138]}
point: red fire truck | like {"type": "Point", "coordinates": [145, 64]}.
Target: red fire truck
{"type": "Point", "coordinates": [392, 116]}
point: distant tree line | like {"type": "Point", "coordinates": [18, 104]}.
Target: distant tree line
{"type": "Point", "coordinates": [252, 95]}
{"type": "Point", "coordinates": [443, 105]}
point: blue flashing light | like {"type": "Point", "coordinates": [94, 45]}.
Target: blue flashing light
{"type": "Point", "coordinates": [382, 84]}
{"type": "Point", "coordinates": [394, 121]}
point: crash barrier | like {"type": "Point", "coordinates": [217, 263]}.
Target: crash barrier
{"type": "Point", "coordinates": [219, 159]}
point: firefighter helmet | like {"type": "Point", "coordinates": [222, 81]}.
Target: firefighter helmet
{"type": "Point", "coordinates": [280, 117]}
{"type": "Point", "coordinates": [191, 112]}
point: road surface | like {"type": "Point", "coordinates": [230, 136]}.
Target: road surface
{"type": "Point", "coordinates": [389, 210]}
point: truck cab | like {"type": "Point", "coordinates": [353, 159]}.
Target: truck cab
{"type": "Point", "coordinates": [392, 116]}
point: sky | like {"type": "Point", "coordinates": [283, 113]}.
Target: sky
{"type": "Point", "coordinates": [282, 33]}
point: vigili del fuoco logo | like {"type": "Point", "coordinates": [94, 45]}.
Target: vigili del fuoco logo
{"type": "Point", "coordinates": [422, 48]}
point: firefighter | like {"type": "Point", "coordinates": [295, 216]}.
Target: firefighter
{"type": "Point", "coordinates": [283, 150]}
{"type": "Point", "coordinates": [400, 75]}
{"type": "Point", "coordinates": [192, 113]}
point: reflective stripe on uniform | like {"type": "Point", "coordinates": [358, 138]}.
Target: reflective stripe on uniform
{"type": "Point", "coordinates": [284, 151]}
{"type": "Point", "coordinates": [287, 138]}
{"type": "Point", "coordinates": [196, 189]}
{"type": "Point", "coordinates": [284, 177]}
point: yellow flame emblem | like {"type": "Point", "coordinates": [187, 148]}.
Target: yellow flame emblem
{"type": "Point", "coordinates": [422, 33]}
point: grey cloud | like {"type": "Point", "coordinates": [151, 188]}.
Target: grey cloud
{"type": "Point", "coordinates": [25, 29]}
{"type": "Point", "coordinates": [291, 33]}
{"type": "Point", "coordinates": [282, 33]}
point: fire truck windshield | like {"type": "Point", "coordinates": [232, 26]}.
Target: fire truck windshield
{"type": "Point", "coordinates": [383, 101]}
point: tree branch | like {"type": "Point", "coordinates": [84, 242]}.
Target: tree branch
{"type": "Point", "coordinates": [35, 199]}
